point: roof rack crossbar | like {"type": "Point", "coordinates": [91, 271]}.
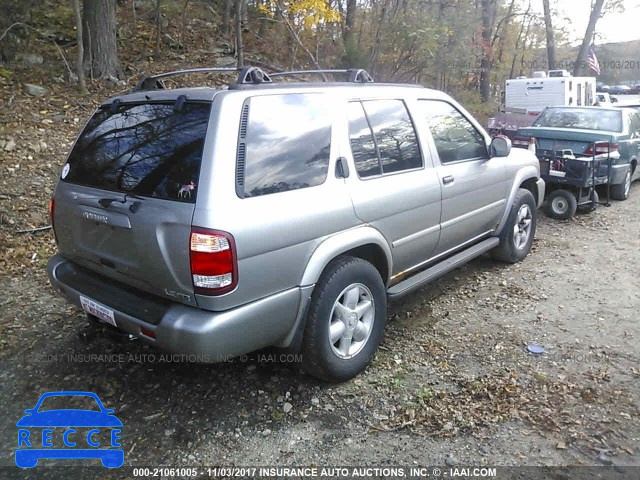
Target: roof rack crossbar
{"type": "Point", "coordinates": [245, 75]}
{"type": "Point", "coordinates": [355, 75]}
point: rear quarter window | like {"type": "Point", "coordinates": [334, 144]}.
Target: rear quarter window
{"type": "Point", "coordinates": [285, 145]}
{"type": "Point", "coordinates": [152, 149]}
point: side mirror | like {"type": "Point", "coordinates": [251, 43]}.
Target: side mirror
{"type": "Point", "coordinates": [614, 100]}
{"type": "Point", "coordinates": [500, 146]}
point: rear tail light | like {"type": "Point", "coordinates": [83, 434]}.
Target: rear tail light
{"type": "Point", "coordinates": [52, 208]}
{"type": "Point", "coordinates": [599, 148]}
{"type": "Point", "coordinates": [214, 266]}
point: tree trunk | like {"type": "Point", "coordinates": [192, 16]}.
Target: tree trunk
{"type": "Point", "coordinates": [239, 48]}
{"type": "Point", "coordinates": [226, 15]}
{"type": "Point", "coordinates": [158, 25]}
{"type": "Point", "coordinates": [99, 38]}
{"type": "Point", "coordinates": [584, 48]}
{"type": "Point", "coordinates": [349, 27]}
{"type": "Point", "coordinates": [520, 35]}
{"type": "Point", "coordinates": [551, 45]}
{"type": "Point", "coordinates": [80, 58]}
{"type": "Point", "coordinates": [488, 7]}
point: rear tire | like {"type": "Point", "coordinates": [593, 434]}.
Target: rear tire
{"type": "Point", "coordinates": [561, 204]}
{"type": "Point", "coordinates": [517, 235]}
{"type": "Point", "coordinates": [621, 191]}
{"type": "Point", "coordinates": [345, 321]}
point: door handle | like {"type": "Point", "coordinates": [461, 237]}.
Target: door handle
{"type": "Point", "coordinates": [447, 180]}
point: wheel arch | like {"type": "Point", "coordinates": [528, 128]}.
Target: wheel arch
{"type": "Point", "coordinates": [526, 178]}
{"type": "Point", "coordinates": [364, 242]}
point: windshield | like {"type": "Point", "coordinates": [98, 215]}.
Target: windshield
{"type": "Point", "coordinates": [147, 149]}
{"type": "Point", "coordinates": [581, 118]}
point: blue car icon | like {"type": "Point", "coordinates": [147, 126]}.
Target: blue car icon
{"type": "Point", "coordinates": [36, 429]}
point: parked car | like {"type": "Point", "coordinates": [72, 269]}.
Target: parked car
{"type": "Point", "coordinates": [604, 100]}
{"type": "Point", "coordinates": [578, 128]}
{"type": "Point", "coordinates": [620, 90]}
{"type": "Point", "coordinates": [634, 89]}
{"type": "Point", "coordinates": [602, 88]}
{"type": "Point", "coordinates": [215, 222]}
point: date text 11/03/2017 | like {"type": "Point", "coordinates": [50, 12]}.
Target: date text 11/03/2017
{"type": "Point", "coordinates": [570, 65]}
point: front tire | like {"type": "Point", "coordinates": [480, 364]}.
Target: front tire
{"type": "Point", "coordinates": [346, 320]}
{"type": "Point", "coordinates": [561, 204]}
{"type": "Point", "coordinates": [621, 190]}
{"type": "Point", "coordinates": [517, 235]}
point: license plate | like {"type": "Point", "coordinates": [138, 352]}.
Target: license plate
{"type": "Point", "coordinates": [103, 313]}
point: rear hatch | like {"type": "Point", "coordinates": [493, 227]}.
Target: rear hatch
{"type": "Point", "coordinates": [125, 201]}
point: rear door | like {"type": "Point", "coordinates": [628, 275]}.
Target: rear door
{"type": "Point", "coordinates": [394, 187]}
{"type": "Point", "coordinates": [473, 185]}
{"type": "Point", "coordinates": [125, 201]}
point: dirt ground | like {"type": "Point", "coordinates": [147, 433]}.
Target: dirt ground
{"type": "Point", "coordinates": [453, 383]}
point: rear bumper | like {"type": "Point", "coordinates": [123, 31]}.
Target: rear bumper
{"type": "Point", "coordinates": [618, 173]}
{"type": "Point", "coordinates": [203, 335]}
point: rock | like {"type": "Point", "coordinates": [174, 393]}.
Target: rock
{"type": "Point", "coordinates": [484, 450]}
{"type": "Point", "coordinates": [287, 407]}
{"type": "Point", "coordinates": [266, 432]}
{"type": "Point", "coordinates": [315, 401]}
{"type": "Point", "coordinates": [450, 460]}
{"type": "Point", "coordinates": [35, 90]}
{"type": "Point", "coordinates": [10, 145]}
{"type": "Point", "coordinates": [168, 432]}
{"type": "Point", "coordinates": [30, 58]}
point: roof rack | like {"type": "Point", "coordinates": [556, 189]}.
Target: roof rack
{"type": "Point", "coordinates": [246, 75]}
{"type": "Point", "coordinates": [354, 75]}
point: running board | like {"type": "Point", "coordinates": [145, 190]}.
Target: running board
{"type": "Point", "coordinates": [420, 279]}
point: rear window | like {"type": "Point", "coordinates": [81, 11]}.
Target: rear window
{"type": "Point", "coordinates": [151, 149]}
{"type": "Point", "coordinates": [581, 118]}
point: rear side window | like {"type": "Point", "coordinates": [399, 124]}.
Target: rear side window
{"type": "Point", "coordinates": [152, 150]}
{"type": "Point", "coordinates": [382, 137]}
{"type": "Point", "coordinates": [285, 145]}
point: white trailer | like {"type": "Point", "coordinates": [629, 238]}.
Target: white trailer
{"type": "Point", "coordinates": [538, 93]}
{"type": "Point", "coordinates": [525, 98]}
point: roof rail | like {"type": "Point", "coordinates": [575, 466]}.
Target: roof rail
{"type": "Point", "coordinates": [246, 75]}
{"type": "Point", "coordinates": [355, 75]}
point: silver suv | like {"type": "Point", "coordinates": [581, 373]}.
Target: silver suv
{"type": "Point", "coordinates": [215, 222]}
